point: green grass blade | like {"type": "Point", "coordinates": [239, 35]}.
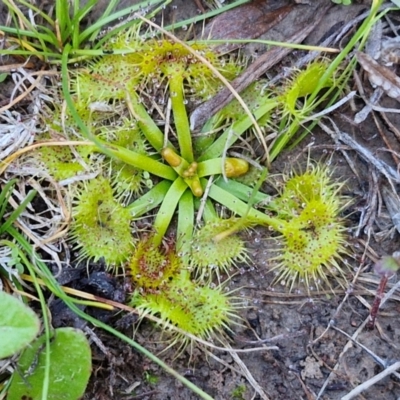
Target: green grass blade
{"type": "Point", "coordinates": [5, 195]}
{"type": "Point", "coordinates": [184, 232]}
{"type": "Point", "coordinates": [63, 18]}
{"type": "Point", "coordinates": [17, 212]}
{"type": "Point", "coordinates": [37, 11]}
{"type": "Point", "coordinates": [167, 209]}
{"type": "Point", "coordinates": [113, 17]}
{"type": "Point", "coordinates": [204, 16]}
{"type": "Point", "coordinates": [150, 200]}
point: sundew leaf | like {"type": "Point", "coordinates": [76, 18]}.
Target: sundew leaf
{"type": "Point", "coordinates": [19, 325]}
{"type": "Point", "coordinates": [70, 367]}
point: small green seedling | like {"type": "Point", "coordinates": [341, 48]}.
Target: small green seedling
{"type": "Point", "coordinates": [151, 378]}
{"type": "Point", "coordinates": [238, 392]}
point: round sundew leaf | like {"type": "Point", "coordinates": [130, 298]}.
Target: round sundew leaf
{"type": "Point", "coordinates": [221, 253]}
{"type": "Point", "coordinates": [70, 368]}
{"type": "Point", "coordinates": [101, 226]}
{"type": "Point", "coordinates": [19, 325]}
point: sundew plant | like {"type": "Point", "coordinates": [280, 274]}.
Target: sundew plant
{"type": "Point", "coordinates": [133, 104]}
{"type": "Point", "coordinates": [166, 205]}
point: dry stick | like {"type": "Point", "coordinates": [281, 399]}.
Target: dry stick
{"type": "Point", "coordinates": [377, 359]}
{"type": "Point", "coordinates": [360, 388]}
{"type": "Point", "coordinates": [253, 72]}
{"type": "Point", "coordinates": [248, 375]}
{"type": "Point", "coordinates": [373, 313]}
{"type": "Point", "coordinates": [390, 173]}
{"type": "Point", "coordinates": [349, 344]}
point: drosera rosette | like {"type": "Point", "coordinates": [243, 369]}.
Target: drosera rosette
{"type": "Point", "coordinates": [159, 60]}
{"type": "Point", "coordinates": [313, 233]}
{"type": "Point", "coordinates": [65, 161]}
{"type": "Point", "coordinates": [203, 312]}
{"type": "Point", "coordinates": [101, 226]}
{"type": "Point", "coordinates": [298, 97]}
{"type": "Point", "coordinates": [314, 184]}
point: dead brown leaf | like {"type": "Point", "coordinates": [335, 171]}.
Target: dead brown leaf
{"type": "Point", "coordinates": [245, 22]}
{"type": "Point", "coordinates": [380, 75]}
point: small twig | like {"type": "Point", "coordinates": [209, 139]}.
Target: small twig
{"type": "Point", "coordinates": [204, 199]}
{"type": "Point", "coordinates": [331, 108]}
{"type": "Point", "coordinates": [365, 385]}
{"type": "Point", "coordinates": [349, 292]}
{"type": "Point", "coordinates": [335, 368]}
{"type": "Point", "coordinates": [35, 83]}
{"type": "Point", "coordinates": [377, 302]}
{"type": "Point", "coordinates": [248, 375]}
{"type": "Point", "coordinates": [377, 359]}
{"type": "Point", "coordinates": [283, 336]}
{"type": "Point", "coordinates": [95, 339]}
{"type": "Point", "coordinates": [385, 169]}
{"type": "Point", "coordinates": [167, 122]}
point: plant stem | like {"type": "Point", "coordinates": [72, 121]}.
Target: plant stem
{"type": "Point", "coordinates": [150, 199]}
{"type": "Point", "coordinates": [184, 232]}
{"type": "Point", "coordinates": [243, 192]}
{"type": "Point", "coordinates": [180, 115]}
{"type": "Point", "coordinates": [140, 161]}
{"type": "Point", "coordinates": [239, 207]}
{"type": "Point", "coordinates": [231, 134]}
{"type": "Point", "coordinates": [167, 209]}
{"type": "Point", "coordinates": [149, 128]}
